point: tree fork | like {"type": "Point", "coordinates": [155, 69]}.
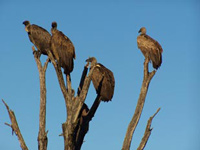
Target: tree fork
{"type": "Point", "coordinates": [141, 100]}
{"type": "Point", "coordinates": [147, 132]}
{"type": "Point", "coordinates": [42, 134]}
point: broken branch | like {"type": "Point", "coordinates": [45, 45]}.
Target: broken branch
{"type": "Point", "coordinates": [147, 132]}
{"type": "Point", "coordinates": [15, 127]}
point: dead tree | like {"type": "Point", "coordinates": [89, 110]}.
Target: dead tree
{"type": "Point", "coordinates": [138, 110]}
{"type": "Point", "coordinates": [42, 134]}
{"type": "Point", "coordinates": [79, 115]}
{"type": "Point", "coordinates": [15, 127]}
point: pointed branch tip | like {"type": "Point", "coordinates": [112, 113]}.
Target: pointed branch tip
{"type": "Point", "coordinates": [156, 112]}
{"type": "Point", "coordinates": [8, 124]}
{"type": "Point", "coordinates": [7, 107]}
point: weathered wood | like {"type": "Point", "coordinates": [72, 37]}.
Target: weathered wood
{"type": "Point", "coordinates": [76, 125]}
{"type": "Point", "coordinates": [138, 110]}
{"type": "Point", "coordinates": [81, 98]}
{"type": "Point", "coordinates": [67, 126]}
{"type": "Point", "coordinates": [85, 117]}
{"type": "Point", "coordinates": [42, 134]}
{"type": "Point", "coordinates": [60, 77]}
{"type": "Point", "coordinates": [82, 127]}
{"type": "Point", "coordinates": [85, 70]}
{"type": "Point", "coordinates": [15, 127]}
{"type": "Point", "coordinates": [94, 107]}
{"type": "Point", "coordinates": [147, 132]}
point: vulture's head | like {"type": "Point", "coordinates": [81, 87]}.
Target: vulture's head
{"type": "Point", "coordinates": [26, 23]}
{"type": "Point", "coordinates": [142, 30]}
{"type": "Point", "coordinates": [92, 60]}
{"type": "Point", "coordinates": [54, 25]}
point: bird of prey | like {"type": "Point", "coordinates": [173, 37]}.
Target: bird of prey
{"type": "Point", "coordinates": [39, 37]}
{"type": "Point", "coordinates": [62, 49]}
{"type": "Point", "coordinates": [150, 48]}
{"type": "Point", "coordinates": [102, 79]}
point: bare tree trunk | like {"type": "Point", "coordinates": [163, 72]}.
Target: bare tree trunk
{"type": "Point", "coordinates": [141, 100]}
{"type": "Point", "coordinates": [68, 131]}
{"type": "Point", "coordinates": [76, 126]}
{"type": "Point", "coordinates": [73, 104]}
{"type": "Point", "coordinates": [78, 114]}
{"type": "Point", "coordinates": [42, 134]}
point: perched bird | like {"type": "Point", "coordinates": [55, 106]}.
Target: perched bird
{"type": "Point", "coordinates": [102, 79]}
{"type": "Point", "coordinates": [39, 37]}
{"type": "Point", "coordinates": [62, 49]}
{"type": "Point", "coordinates": [150, 48]}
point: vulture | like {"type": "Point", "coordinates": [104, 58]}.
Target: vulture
{"type": "Point", "coordinates": [62, 49]}
{"type": "Point", "coordinates": [102, 79]}
{"type": "Point", "coordinates": [38, 36]}
{"type": "Point", "coordinates": [150, 48]}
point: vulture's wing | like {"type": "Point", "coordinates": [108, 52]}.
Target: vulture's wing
{"type": "Point", "coordinates": [40, 38]}
{"type": "Point", "coordinates": [150, 48]}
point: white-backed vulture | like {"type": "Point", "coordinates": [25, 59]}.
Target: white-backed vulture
{"type": "Point", "coordinates": [62, 49]}
{"type": "Point", "coordinates": [150, 48]}
{"type": "Point", "coordinates": [38, 36]}
{"type": "Point", "coordinates": [102, 79]}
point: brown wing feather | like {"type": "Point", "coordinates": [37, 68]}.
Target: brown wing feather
{"type": "Point", "coordinates": [150, 48]}
{"type": "Point", "coordinates": [40, 38]}
{"type": "Point", "coordinates": [107, 88]}
{"type": "Point", "coordinates": [70, 45]}
{"type": "Point", "coordinates": [63, 50]}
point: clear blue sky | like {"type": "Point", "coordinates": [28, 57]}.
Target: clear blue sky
{"type": "Point", "coordinates": [108, 31]}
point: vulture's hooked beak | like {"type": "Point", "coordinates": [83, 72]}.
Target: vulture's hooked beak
{"type": "Point", "coordinates": [26, 22]}
{"type": "Point", "coordinates": [91, 60]}
{"type": "Point", "coordinates": [139, 31]}
{"type": "Point", "coordinates": [88, 60]}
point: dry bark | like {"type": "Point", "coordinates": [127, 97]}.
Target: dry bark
{"type": "Point", "coordinates": [141, 100]}
{"type": "Point", "coordinates": [15, 127]}
{"type": "Point", "coordinates": [78, 114]}
{"type": "Point", "coordinates": [42, 134]}
{"type": "Point", "coordinates": [147, 132]}
{"type": "Point", "coordinates": [77, 123]}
